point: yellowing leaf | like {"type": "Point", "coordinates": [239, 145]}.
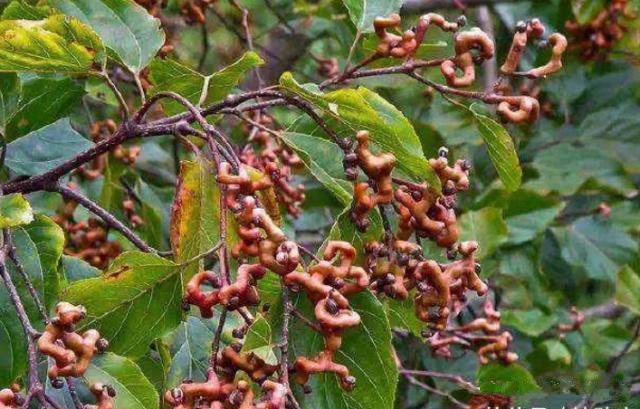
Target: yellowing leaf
{"type": "Point", "coordinates": [55, 44]}
{"type": "Point", "coordinates": [195, 214]}
{"type": "Point", "coordinates": [131, 34]}
{"type": "Point", "coordinates": [628, 289]}
{"type": "Point", "coordinates": [14, 211]}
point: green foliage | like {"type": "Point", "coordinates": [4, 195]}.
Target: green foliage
{"type": "Point", "coordinates": [628, 289]}
{"type": "Point", "coordinates": [14, 211]}
{"type": "Point", "coordinates": [351, 110]}
{"type": "Point", "coordinates": [44, 149]}
{"type": "Point", "coordinates": [9, 97]}
{"type": "Point", "coordinates": [132, 36]}
{"type": "Point", "coordinates": [139, 296]}
{"type": "Point", "coordinates": [501, 150]}
{"type": "Point", "coordinates": [55, 44]}
{"type": "Point", "coordinates": [42, 101]}
{"type": "Point", "coordinates": [195, 214]}
{"type": "Point", "coordinates": [506, 380]}
{"type": "Point", "coordinates": [369, 345]}
{"type": "Point", "coordinates": [319, 156]}
{"type": "Point", "coordinates": [363, 12]}
{"type": "Point", "coordinates": [133, 389]}
{"type": "Point", "coordinates": [200, 90]}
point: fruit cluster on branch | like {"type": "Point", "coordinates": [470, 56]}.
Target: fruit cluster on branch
{"type": "Point", "coordinates": [217, 393]}
{"type": "Point", "coordinates": [104, 395]}
{"type": "Point", "coordinates": [72, 352]}
{"type": "Point", "coordinates": [472, 48]}
{"type": "Point", "coordinates": [484, 334]}
{"type": "Point", "coordinates": [276, 161]}
{"type": "Point", "coordinates": [596, 38]}
{"type": "Point", "coordinates": [10, 398]}
{"type": "Point", "coordinates": [86, 240]}
{"type": "Point", "coordinates": [395, 266]}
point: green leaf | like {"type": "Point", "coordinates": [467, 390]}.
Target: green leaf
{"type": "Point", "coordinates": [44, 149]}
{"type": "Point", "coordinates": [191, 360]}
{"type": "Point", "coordinates": [36, 254]}
{"type": "Point", "coordinates": [344, 229]}
{"type": "Point", "coordinates": [628, 289]}
{"type": "Point", "coordinates": [134, 302]}
{"type": "Point", "coordinates": [603, 340]}
{"type": "Point", "coordinates": [20, 10]}
{"type": "Point", "coordinates": [170, 75]}
{"type": "Point", "coordinates": [366, 349]}
{"type": "Point", "coordinates": [402, 314]}
{"type": "Point", "coordinates": [13, 355]}
{"type": "Point", "coordinates": [501, 150]}
{"type": "Point", "coordinates": [557, 351]}
{"type": "Point", "coordinates": [42, 102]}
{"type": "Point", "coordinates": [153, 369]}
{"type": "Point", "coordinates": [195, 214]}
{"type": "Point", "coordinates": [367, 352]}
{"type": "Point", "coordinates": [9, 97]}
{"type": "Point", "coordinates": [348, 111]}
{"type": "Point", "coordinates": [48, 239]}
{"type": "Point", "coordinates": [506, 380]}
{"type": "Point", "coordinates": [531, 322]}
{"type": "Point", "coordinates": [596, 248]}
{"type": "Point", "coordinates": [363, 12]}
{"type": "Point", "coordinates": [565, 168]}
{"type": "Point", "coordinates": [55, 44]}
{"type": "Point", "coordinates": [487, 227]}
{"type": "Point", "coordinates": [133, 389]}
{"type": "Point", "coordinates": [586, 10]}
{"type": "Point", "coordinates": [130, 33]}
{"type": "Point", "coordinates": [14, 211]}
{"type": "Point", "coordinates": [528, 214]}
{"type": "Point", "coordinates": [259, 341]}
{"type": "Point", "coordinates": [75, 269]}
{"type": "Point", "coordinates": [319, 156]}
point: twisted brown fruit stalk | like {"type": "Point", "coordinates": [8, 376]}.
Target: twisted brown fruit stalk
{"type": "Point", "coordinates": [104, 395]}
{"type": "Point", "coordinates": [71, 351]}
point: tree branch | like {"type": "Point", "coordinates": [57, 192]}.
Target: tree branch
{"type": "Point", "coordinates": [107, 217]}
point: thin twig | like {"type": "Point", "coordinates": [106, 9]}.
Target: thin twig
{"type": "Point", "coordinates": [248, 37]}
{"type": "Point", "coordinates": [215, 344]}
{"type": "Point", "coordinates": [36, 389]}
{"type": "Point", "coordinates": [107, 217]}
{"type": "Point", "coordinates": [13, 256]}
{"type": "Point", "coordinates": [412, 380]}
{"type": "Point", "coordinates": [457, 379]}
{"type": "Point", "coordinates": [118, 94]}
{"type": "Point", "coordinates": [314, 326]}
{"type": "Point", "coordinates": [74, 393]}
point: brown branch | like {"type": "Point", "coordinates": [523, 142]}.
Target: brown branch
{"type": "Point", "coordinates": [13, 256]}
{"type": "Point", "coordinates": [284, 345]}
{"type": "Point", "coordinates": [36, 389]}
{"type": "Point", "coordinates": [74, 393]}
{"type": "Point", "coordinates": [215, 344]}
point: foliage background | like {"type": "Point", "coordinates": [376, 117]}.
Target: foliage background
{"type": "Point", "coordinates": [546, 247]}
